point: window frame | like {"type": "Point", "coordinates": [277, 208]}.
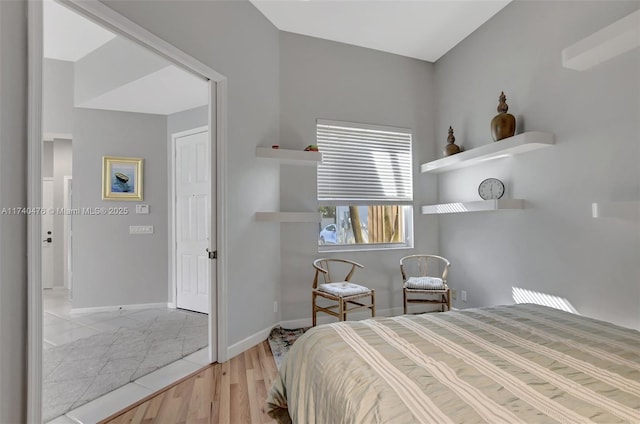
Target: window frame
{"type": "Point", "coordinates": [406, 206]}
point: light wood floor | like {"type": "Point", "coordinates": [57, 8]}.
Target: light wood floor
{"type": "Point", "coordinates": [233, 392]}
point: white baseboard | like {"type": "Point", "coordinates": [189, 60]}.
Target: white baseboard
{"type": "Point", "coordinates": [117, 308]}
{"type": "Point", "coordinates": [249, 342]}
{"type": "Point", "coordinates": [260, 336]}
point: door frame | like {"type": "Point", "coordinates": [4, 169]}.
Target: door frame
{"type": "Point", "coordinates": [103, 15]}
{"type": "Point", "coordinates": [173, 277]}
{"type": "Point", "coordinates": [51, 179]}
{"type": "Point", "coordinates": [66, 232]}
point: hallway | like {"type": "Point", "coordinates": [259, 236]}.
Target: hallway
{"type": "Point", "coordinates": [88, 355]}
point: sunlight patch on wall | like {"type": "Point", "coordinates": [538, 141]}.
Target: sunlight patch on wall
{"type": "Point", "coordinates": [529, 296]}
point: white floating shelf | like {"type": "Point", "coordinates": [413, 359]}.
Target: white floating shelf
{"type": "Point", "coordinates": [288, 216]}
{"type": "Point", "coordinates": [624, 210]}
{"type": "Point", "coordinates": [291, 157]}
{"type": "Point", "coordinates": [517, 144]}
{"type": "Point", "coordinates": [611, 41]}
{"type": "Point", "coordinates": [477, 206]}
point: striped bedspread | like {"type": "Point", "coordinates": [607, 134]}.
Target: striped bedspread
{"type": "Point", "coordinates": [504, 364]}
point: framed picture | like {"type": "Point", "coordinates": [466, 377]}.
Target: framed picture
{"type": "Point", "coordinates": [121, 178]}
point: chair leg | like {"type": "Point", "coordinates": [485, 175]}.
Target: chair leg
{"type": "Point", "coordinates": [341, 312]}
{"type": "Point", "coordinates": [313, 307]}
{"type": "Point", "coordinates": [373, 303]}
{"type": "Point", "coordinates": [449, 300]}
{"type": "Point", "coordinates": [404, 298]}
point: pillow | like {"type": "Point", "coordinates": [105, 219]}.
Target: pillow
{"type": "Point", "coordinates": [343, 288]}
{"type": "Point", "coordinates": [425, 283]}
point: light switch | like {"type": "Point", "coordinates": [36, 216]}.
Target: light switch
{"type": "Point", "coordinates": [142, 209]}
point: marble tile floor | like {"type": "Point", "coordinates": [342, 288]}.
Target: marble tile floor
{"type": "Point", "coordinates": [91, 359]}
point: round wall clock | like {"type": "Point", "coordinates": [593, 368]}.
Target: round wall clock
{"type": "Point", "coordinates": [491, 188]}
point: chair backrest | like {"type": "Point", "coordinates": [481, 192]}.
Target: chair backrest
{"type": "Point", "coordinates": [424, 266]}
{"type": "Point", "coordinates": [328, 267]}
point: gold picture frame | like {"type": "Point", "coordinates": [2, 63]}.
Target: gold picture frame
{"type": "Point", "coordinates": [121, 178]}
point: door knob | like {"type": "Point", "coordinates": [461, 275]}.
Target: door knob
{"type": "Point", "coordinates": [48, 240]}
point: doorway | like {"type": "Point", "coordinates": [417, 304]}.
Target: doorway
{"type": "Point", "coordinates": [217, 93]}
{"type": "Point", "coordinates": [47, 233]}
{"type": "Point", "coordinates": [191, 170]}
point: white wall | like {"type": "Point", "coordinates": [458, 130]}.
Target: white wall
{"type": "Point", "coordinates": [13, 193]}
{"type": "Point", "coordinates": [104, 69]}
{"type": "Point", "coordinates": [110, 266]}
{"type": "Point", "coordinates": [234, 38]}
{"type": "Point", "coordinates": [325, 79]}
{"type": "Point", "coordinates": [553, 246]}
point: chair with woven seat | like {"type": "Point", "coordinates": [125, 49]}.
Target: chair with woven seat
{"type": "Point", "coordinates": [421, 285]}
{"type": "Point", "coordinates": [350, 297]}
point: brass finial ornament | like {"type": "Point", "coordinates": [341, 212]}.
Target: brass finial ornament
{"type": "Point", "coordinates": [451, 148]}
{"type": "Point", "coordinates": [503, 107]}
{"type": "Point", "coordinates": [503, 125]}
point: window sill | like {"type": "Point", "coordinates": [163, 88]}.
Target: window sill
{"type": "Point", "coordinates": [363, 247]}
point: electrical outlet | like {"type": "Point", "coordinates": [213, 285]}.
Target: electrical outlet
{"type": "Point", "coordinates": [464, 295]}
{"type": "Point", "coordinates": [141, 229]}
{"type": "Point", "coordinates": [275, 306]}
{"type": "Point", "coordinates": [454, 294]}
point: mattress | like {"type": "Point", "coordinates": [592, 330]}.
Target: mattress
{"type": "Point", "coordinates": [503, 364]}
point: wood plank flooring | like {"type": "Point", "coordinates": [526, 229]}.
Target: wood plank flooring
{"type": "Point", "coordinates": [234, 392]}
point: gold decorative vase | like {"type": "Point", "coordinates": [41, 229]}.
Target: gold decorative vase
{"type": "Point", "coordinates": [503, 125]}
{"type": "Point", "coordinates": [451, 148]}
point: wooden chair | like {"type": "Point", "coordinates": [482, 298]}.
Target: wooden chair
{"type": "Point", "coordinates": [420, 284]}
{"type": "Point", "coordinates": [349, 296]}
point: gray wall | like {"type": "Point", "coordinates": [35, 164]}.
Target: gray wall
{"type": "Point", "coordinates": [325, 79]}
{"type": "Point", "coordinates": [553, 246]}
{"type": "Point", "coordinates": [57, 96]}
{"type": "Point", "coordinates": [235, 39]}
{"type": "Point", "coordinates": [13, 229]}
{"type": "Point", "coordinates": [187, 120]}
{"type": "Point", "coordinates": [110, 266]}
{"type": "Point", "coordinates": [47, 159]}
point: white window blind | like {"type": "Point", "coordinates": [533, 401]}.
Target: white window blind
{"type": "Point", "coordinates": [363, 164]}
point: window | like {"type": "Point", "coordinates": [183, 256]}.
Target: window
{"type": "Point", "coordinates": [365, 186]}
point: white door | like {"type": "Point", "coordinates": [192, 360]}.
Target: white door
{"type": "Point", "coordinates": [193, 221]}
{"type": "Point", "coordinates": [47, 233]}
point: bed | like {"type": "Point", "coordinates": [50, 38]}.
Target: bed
{"type": "Point", "coordinates": [503, 364]}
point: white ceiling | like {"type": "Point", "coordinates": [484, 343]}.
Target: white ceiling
{"type": "Point", "coordinates": [69, 36]}
{"type": "Point", "coordinates": [422, 29]}
{"type": "Point", "coordinates": [163, 92]}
